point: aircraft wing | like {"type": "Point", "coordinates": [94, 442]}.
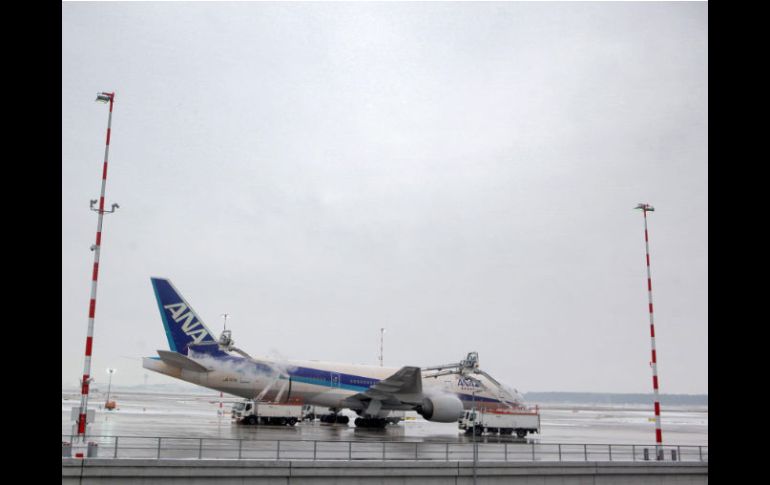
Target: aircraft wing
{"type": "Point", "coordinates": [402, 388]}
{"type": "Point", "coordinates": [175, 359]}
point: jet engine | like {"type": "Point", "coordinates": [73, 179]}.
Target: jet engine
{"type": "Point", "coordinates": [442, 409]}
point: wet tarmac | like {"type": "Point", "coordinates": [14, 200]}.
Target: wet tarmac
{"type": "Point", "coordinates": [196, 416]}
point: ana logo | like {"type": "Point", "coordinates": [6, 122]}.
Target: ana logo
{"type": "Point", "coordinates": [190, 325]}
{"type": "Point", "coordinates": [463, 382]}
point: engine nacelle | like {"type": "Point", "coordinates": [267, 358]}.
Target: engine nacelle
{"type": "Point", "coordinates": [441, 409]}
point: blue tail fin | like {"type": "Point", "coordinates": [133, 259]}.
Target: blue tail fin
{"type": "Point", "coordinates": [183, 326]}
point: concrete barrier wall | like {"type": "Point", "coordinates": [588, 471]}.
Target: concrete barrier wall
{"type": "Point", "coordinates": [226, 472]}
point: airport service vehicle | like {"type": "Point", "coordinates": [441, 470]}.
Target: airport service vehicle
{"type": "Point", "coordinates": [253, 412]}
{"type": "Point", "coordinates": [311, 413]}
{"type": "Point", "coordinates": [502, 420]}
{"type": "Point", "coordinates": [438, 393]}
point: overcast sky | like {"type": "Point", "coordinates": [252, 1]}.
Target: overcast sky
{"type": "Point", "coordinates": [462, 174]}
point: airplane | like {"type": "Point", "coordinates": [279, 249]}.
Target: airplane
{"type": "Point", "coordinates": [438, 393]}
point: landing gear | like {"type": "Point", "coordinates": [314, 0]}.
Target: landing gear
{"type": "Point", "coordinates": [377, 423]}
{"type": "Point", "coordinates": [265, 420]}
{"type": "Point", "coordinates": [334, 418]}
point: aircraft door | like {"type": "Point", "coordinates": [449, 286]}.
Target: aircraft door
{"type": "Point", "coordinates": [335, 379]}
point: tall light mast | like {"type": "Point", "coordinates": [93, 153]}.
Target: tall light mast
{"type": "Point", "coordinates": [645, 208]}
{"type": "Point", "coordinates": [96, 248]}
{"type": "Point", "coordinates": [382, 333]}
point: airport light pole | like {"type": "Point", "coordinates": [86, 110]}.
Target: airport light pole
{"type": "Point", "coordinates": [475, 445]}
{"type": "Point", "coordinates": [645, 208]}
{"type": "Point", "coordinates": [96, 248]}
{"type": "Point", "coordinates": [109, 386]}
{"type": "Point", "coordinates": [382, 333]}
{"type": "Point", "coordinates": [221, 411]}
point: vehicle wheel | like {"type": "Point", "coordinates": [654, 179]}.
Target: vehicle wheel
{"type": "Point", "coordinates": [251, 420]}
{"type": "Point", "coordinates": [521, 433]}
{"type": "Point", "coordinates": [292, 421]}
{"type": "Point", "coordinates": [343, 419]}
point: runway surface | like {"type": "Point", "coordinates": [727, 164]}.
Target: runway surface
{"type": "Point", "coordinates": [196, 416]}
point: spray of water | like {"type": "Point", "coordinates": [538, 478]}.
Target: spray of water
{"type": "Point", "coordinates": [269, 370]}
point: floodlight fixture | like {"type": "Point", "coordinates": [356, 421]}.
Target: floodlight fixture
{"type": "Point", "coordinates": [104, 97]}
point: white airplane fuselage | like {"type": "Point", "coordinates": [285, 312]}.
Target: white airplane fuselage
{"type": "Point", "coordinates": [316, 383]}
{"type": "Point", "coordinates": [195, 356]}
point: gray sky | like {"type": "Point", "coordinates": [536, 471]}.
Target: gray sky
{"type": "Point", "coordinates": [463, 174]}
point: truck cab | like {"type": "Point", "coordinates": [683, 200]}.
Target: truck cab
{"type": "Point", "coordinates": [241, 410]}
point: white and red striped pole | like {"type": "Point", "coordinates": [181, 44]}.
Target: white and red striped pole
{"type": "Point", "coordinates": [82, 417]}
{"type": "Point", "coordinates": [221, 394]}
{"type": "Point", "coordinates": [654, 363]}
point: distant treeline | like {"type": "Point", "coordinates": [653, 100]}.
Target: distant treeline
{"type": "Point", "coordinates": [605, 398]}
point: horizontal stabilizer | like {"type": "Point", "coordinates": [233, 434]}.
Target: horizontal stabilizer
{"type": "Point", "coordinates": [175, 359]}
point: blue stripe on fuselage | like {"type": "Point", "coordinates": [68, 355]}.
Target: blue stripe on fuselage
{"type": "Point", "coordinates": [319, 377]}
{"type": "Point", "coordinates": [307, 375]}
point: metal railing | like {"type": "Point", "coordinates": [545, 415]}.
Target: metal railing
{"type": "Point", "coordinates": [314, 450]}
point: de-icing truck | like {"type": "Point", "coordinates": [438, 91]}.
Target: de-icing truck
{"type": "Point", "coordinates": [502, 420]}
{"type": "Point", "coordinates": [257, 412]}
